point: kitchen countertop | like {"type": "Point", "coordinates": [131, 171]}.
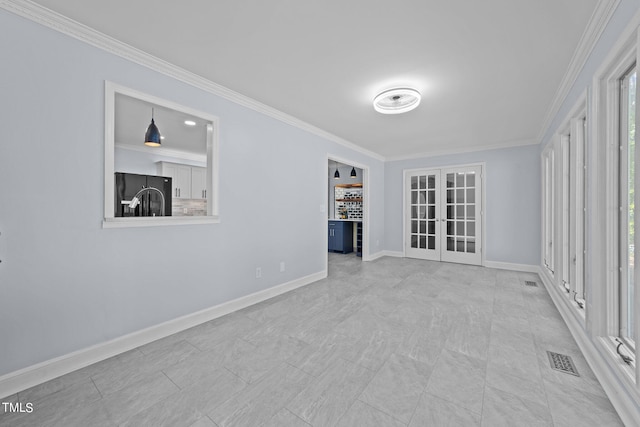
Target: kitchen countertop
{"type": "Point", "coordinates": [346, 219]}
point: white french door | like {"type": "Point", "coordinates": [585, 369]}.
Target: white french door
{"type": "Point", "coordinates": [443, 214]}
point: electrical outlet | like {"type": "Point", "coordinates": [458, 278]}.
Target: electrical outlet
{"type": "Point", "coordinates": [184, 210]}
{"type": "Point", "coordinates": [258, 272]}
{"type": "Point", "coordinates": [281, 266]}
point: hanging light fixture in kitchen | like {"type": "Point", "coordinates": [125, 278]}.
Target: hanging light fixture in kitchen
{"type": "Point", "coordinates": [353, 172]}
{"type": "Point", "coordinates": [152, 137]}
{"type": "Point", "coordinates": [337, 174]}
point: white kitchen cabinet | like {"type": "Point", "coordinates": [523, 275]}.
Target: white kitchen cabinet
{"type": "Point", "coordinates": [181, 178]}
{"type": "Point", "coordinates": [198, 183]}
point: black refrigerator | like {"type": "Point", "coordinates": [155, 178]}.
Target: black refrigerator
{"type": "Point", "coordinates": [129, 184]}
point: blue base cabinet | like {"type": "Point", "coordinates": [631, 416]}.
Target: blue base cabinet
{"type": "Point", "coordinates": [341, 236]}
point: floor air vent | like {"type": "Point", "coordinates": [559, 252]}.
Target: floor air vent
{"type": "Point", "coordinates": [562, 363]}
{"type": "Point", "coordinates": [530, 283]}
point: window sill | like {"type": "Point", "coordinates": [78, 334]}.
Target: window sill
{"type": "Point", "coordinates": [158, 221]}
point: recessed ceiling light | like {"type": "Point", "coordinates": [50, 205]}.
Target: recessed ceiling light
{"type": "Point", "coordinates": [189, 123]}
{"type": "Point", "coordinates": [396, 101]}
{"type": "Point", "coordinates": [161, 137]}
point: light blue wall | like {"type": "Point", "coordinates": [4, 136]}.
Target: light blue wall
{"type": "Point", "coordinates": [512, 200]}
{"type": "Point", "coordinates": [65, 282]}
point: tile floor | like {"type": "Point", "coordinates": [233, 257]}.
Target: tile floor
{"type": "Point", "coordinates": [394, 342]}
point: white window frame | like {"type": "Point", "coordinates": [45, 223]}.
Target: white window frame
{"type": "Point", "coordinates": [565, 279]}
{"type": "Point", "coordinates": [109, 220]}
{"type": "Point", "coordinates": [571, 233]}
{"type": "Point", "coordinates": [578, 238]}
{"type": "Point", "coordinates": [623, 203]}
{"type": "Point", "coordinates": [548, 208]}
{"type": "Point", "coordinates": [604, 209]}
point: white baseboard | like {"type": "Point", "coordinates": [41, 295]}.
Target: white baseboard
{"type": "Point", "coordinates": [30, 376]}
{"type": "Point", "coordinates": [397, 254]}
{"type": "Point", "coordinates": [623, 395]}
{"type": "Point", "coordinates": [511, 266]}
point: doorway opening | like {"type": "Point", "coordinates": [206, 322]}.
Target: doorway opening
{"type": "Point", "coordinates": [347, 226]}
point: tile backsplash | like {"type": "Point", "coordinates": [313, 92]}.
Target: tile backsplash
{"type": "Point", "coordinates": [194, 207]}
{"type": "Point", "coordinates": [348, 203]}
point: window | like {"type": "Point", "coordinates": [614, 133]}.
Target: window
{"type": "Point", "coordinates": [188, 157]}
{"type": "Point", "coordinates": [579, 195]}
{"type": "Point", "coordinates": [573, 207]}
{"type": "Point", "coordinates": [611, 288]}
{"type": "Point", "coordinates": [564, 213]}
{"type": "Point", "coordinates": [568, 281]}
{"type": "Point", "coordinates": [549, 214]}
{"type": "Point", "coordinates": [627, 179]}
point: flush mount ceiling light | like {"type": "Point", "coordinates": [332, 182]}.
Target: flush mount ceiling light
{"type": "Point", "coordinates": [152, 137]}
{"type": "Point", "coordinates": [189, 123]}
{"type": "Point", "coordinates": [396, 101]}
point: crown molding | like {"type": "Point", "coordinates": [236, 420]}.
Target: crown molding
{"type": "Point", "coordinates": [599, 19]}
{"type": "Point", "coordinates": [445, 152]}
{"type": "Point", "coordinates": [48, 18]}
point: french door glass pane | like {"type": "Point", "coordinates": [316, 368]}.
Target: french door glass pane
{"type": "Point", "coordinates": [471, 246]}
{"type": "Point", "coordinates": [471, 228]}
{"type": "Point", "coordinates": [450, 180]}
{"type": "Point", "coordinates": [423, 182]}
{"type": "Point", "coordinates": [471, 179]}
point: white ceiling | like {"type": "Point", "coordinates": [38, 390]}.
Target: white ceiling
{"type": "Point", "coordinates": [488, 70]}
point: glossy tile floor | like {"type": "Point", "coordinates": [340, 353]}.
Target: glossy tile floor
{"type": "Point", "coordinates": [394, 342]}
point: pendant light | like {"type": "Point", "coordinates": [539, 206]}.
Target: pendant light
{"type": "Point", "coordinates": [353, 172]}
{"type": "Point", "coordinates": [152, 137]}
{"type": "Point", "coordinates": [337, 174]}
